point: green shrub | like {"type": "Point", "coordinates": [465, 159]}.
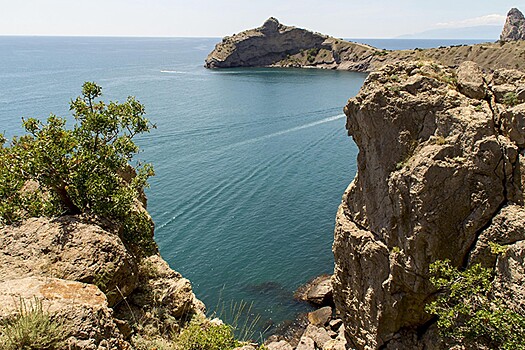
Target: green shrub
{"type": "Point", "coordinates": [83, 169]}
{"type": "Point", "coordinates": [32, 329]}
{"type": "Point", "coordinates": [206, 336]}
{"type": "Point", "coordinates": [510, 99]}
{"type": "Point", "coordinates": [468, 311]}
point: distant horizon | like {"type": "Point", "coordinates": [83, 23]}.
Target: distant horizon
{"type": "Point", "coordinates": [209, 19]}
{"type": "Point", "coordinates": [214, 37]}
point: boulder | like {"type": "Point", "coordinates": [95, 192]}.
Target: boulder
{"type": "Point", "coordinates": [306, 343]}
{"type": "Point", "coordinates": [318, 334]}
{"type": "Point", "coordinates": [321, 316]}
{"type": "Point", "coordinates": [470, 80]}
{"type": "Point", "coordinates": [513, 124]}
{"type": "Point", "coordinates": [72, 248]}
{"type": "Point", "coordinates": [317, 292]}
{"type": "Point", "coordinates": [280, 345]}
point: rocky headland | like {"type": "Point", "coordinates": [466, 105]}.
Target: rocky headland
{"type": "Point", "coordinates": [277, 45]}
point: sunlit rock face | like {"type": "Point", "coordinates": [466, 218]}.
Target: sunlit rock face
{"type": "Point", "coordinates": [440, 164]}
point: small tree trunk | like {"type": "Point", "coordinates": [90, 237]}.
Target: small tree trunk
{"type": "Point", "coordinates": [66, 200]}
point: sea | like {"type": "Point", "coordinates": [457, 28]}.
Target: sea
{"type": "Point", "coordinates": [250, 163]}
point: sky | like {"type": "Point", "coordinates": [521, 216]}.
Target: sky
{"type": "Point", "coordinates": [216, 18]}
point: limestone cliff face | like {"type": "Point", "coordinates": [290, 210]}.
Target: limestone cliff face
{"type": "Point", "coordinates": [440, 174]}
{"type": "Point", "coordinates": [514, 28]}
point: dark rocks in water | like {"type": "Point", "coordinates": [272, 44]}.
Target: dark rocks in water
{"type": "Point", "coordinates": [317, 292]}
{"type": "Point", "coordinates": [514, 28]}
{"type": "Point", "coordinates": [271, 290]}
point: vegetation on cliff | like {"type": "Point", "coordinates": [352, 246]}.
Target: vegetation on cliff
{"type": "Point", "coordinates": [55, 170]}
{"type": "Point", "coordinates": [468, 311]}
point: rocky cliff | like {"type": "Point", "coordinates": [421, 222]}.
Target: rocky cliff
{"type": "Point", "coordinates": [277, 45]}
{"type": "Point", "coordinates": [441, 169]}
{"type": "Point", "coordinates": [514, 28]}
{"type": "Point", "coordinates": [105, 294]}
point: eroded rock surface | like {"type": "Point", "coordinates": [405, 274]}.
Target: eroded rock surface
{"type": "Point", "coordinates": [63, 262]}
{"type": "Point", "coordinates": [69, 248]}
{"type": "Point", "coordinates": [439, 175]}
{"type": "Point", "coordinates": [514, 28]}
{"type": "Point", "coordinates": [317, 292]}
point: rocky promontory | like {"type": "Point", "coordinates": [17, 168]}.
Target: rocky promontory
{"type": "Point", "coordinates": [278, 45]}
{"type": "Point", "coordinates": [275, 44]}
{"type": "Point", "coordinates": [441, 169]}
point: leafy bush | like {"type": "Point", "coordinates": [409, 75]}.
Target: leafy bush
{"type": "Point", "coordinates": [468, 311]}
{"type": "Point", "coordinates": [83, 169]}
{"type": "Point", "coordinates": [31, 329]}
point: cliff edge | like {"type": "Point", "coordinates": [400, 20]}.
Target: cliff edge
{"type": "Point", "coordinates": [441, 169]}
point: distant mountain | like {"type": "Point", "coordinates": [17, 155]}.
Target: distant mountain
{"type": "Point", "coordinates": [488, 32]}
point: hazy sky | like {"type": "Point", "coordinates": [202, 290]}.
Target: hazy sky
{"type": "Point", "coordinates": [341, 18]}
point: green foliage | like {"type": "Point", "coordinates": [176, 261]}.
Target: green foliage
{"type": "Point", "coordinates": [311, 54]}
{"type": "Point", "coordinates": [83, 169]}
{"type": "Point", "coordinates": [468, 311]}
{"type": "Point", "coordinates": [510, 99]}
{"type": "Point", "coordinates": [380, 53]}
{"type": "Point", "coordinates": [206, 336]}
{"type": "Point", "coordinates": [497, 248]}
{"type": "Point", "coordinates": [31, 329]}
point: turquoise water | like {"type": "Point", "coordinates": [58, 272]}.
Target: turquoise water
{"type": "Point", "coordinates": [251, 163]}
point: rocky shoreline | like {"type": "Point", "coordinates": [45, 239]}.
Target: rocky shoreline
{"type": "Point", "coordinates": [320, 329]}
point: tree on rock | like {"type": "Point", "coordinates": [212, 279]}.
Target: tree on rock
{"type": "Point", "coordinates": [54, 170]}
